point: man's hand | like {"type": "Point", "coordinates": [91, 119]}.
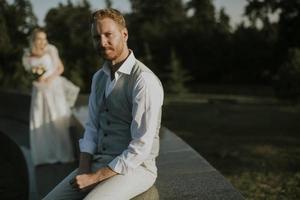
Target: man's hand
{"type": "Point", "coordinates": [86, 181]}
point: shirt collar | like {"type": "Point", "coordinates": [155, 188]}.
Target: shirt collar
{"type": "Point", "coordinates": [125, 68]}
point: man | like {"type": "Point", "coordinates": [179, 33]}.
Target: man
{"type": "Point", "coordinates": [121, 141]}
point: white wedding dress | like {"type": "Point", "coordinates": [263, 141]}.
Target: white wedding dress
{"type": "Point", "coordinates": [50, 112]}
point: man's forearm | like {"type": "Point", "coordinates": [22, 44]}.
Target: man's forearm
{"type": "Point", "coordinates": [85, 163]}
{"type": "Point", "coordinates": [104, 173]}
{"type": "Point", "coordinates": [88, 180]}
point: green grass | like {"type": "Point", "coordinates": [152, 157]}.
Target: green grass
{"type": "Point", "coordinates": [254, 145]}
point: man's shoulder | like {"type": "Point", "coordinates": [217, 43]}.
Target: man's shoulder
{"type": "Point", "coordinates": [144, 75]}
{"type": "Point", "coordinates": [140, 68]}
{"type": "Point", "coordinates": [98, 80]}
{"type": "Point", "coordinates": [98, 74]}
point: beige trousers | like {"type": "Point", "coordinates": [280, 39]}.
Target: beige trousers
{"type": "Point", "coordinates": [118, 187]}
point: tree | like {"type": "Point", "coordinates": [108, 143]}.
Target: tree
{"type": "Point", "coordinates": [199, 39]}
{"type": "Point", "coordinates": [178, 76]}
{"type": "Point", "coordinates": [68, 28]}
{"type": "Point", "coordinates": [223, 22]}
{"type": "Point", "coordinates": [289, 18]}
{"type": "Point", "coordinates": [108, 3]}
{"type": "Point", "coordinates": [253, 55]}
{"type": "Point", "coordinates": [288, 80]}
{"type": "Point", "coordinates": [155, 26]}
{"type": "Point", "coordinates": [282, 35]}
{"type": "Point", "coordinates": [15, 22]}
{"type": "Point", "coordinates": [203, 17]}
{"type": "Point", "coordinates": [206, 41]}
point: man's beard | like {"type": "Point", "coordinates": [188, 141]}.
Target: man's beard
{"type": "Point", "coordinates": [110, 56]}
{"type": "Point", "coordinates": [101, 52]}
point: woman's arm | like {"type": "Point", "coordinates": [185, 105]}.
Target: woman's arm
{"type": "Point", "coordinates": [25, 60]}
{"type": "Point", "coordinates": [59, 67]}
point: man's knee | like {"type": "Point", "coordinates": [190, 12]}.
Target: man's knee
{"type": "Point", "coordinates": [64, 190]}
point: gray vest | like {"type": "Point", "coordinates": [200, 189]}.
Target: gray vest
{"type": "Point", "coordinates": [115, 114]}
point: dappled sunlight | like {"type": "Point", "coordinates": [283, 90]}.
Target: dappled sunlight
{"type": "Point", "coordinates": [263, 150]}
{"type": "Point", "coordinates": [268, 185]}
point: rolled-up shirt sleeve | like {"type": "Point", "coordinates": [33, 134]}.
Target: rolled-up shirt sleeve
{"type": "Point", "coordinates": [147, 101]}
{"type": "Point", "coordinates": [88, 143]}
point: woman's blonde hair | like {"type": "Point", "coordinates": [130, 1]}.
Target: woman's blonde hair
{"type": "Point", "coordinates": [33, 35]}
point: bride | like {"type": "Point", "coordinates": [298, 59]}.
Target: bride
{"type": "Point", "coordinates": [51, 100]}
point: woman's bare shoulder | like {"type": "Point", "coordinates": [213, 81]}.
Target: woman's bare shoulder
{"type": "Point", "coordinates": [51, 48]}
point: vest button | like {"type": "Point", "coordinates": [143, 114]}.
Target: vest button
{"type": "Point", "coordinates": [106, 110]}
{"type": "Point", "coordinates": [103, 148]}
{"type": "Point", "coordinates": [105, 134]}
{"type": "Point", "coordinates": [108, 122]}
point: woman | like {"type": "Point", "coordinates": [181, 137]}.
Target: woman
{"type": "Point", "coordinates": [52, 97]}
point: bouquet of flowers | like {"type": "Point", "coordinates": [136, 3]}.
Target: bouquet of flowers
{"type": "Point", "coordinates": [38, 71]}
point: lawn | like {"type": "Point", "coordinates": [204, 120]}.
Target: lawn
{"type": "Point", "coordinates": [254, 143]}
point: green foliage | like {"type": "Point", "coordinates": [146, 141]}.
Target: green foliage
{"type": "Point", "coordinates": [253, 60]}
{"type": "Point", "coordinates": [289, 18]}
{"type": "Point", "coordinates": [259, 12]}
{"type": "Point", "coordinates": [203, 19]}
{"type": "Point", "coordinates": [68, 28]}
{"type": "Point", "coordinates": [15, 22]}
{"type": "Point", "coordinates": [288, 80]}
{"type": "Point", "coordinates": [206, 49]}
{"type": "Point", "coordinates": [155, 26]}
{"type": "Point", "coordinates": [108, 3]}
{"type": "Point", "coordinates": [223, 22]}
{"type": "Point", "coordinates": [177, 76]}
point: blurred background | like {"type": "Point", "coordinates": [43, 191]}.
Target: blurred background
{"type": "Point", "coordinates": [230, 70]}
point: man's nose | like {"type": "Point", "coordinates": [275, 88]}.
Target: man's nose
{"type": "Point", "coordinates": [103, 42]}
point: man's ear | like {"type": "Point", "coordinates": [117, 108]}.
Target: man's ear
{"type": "Point", "coordinates": [125, 34]}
